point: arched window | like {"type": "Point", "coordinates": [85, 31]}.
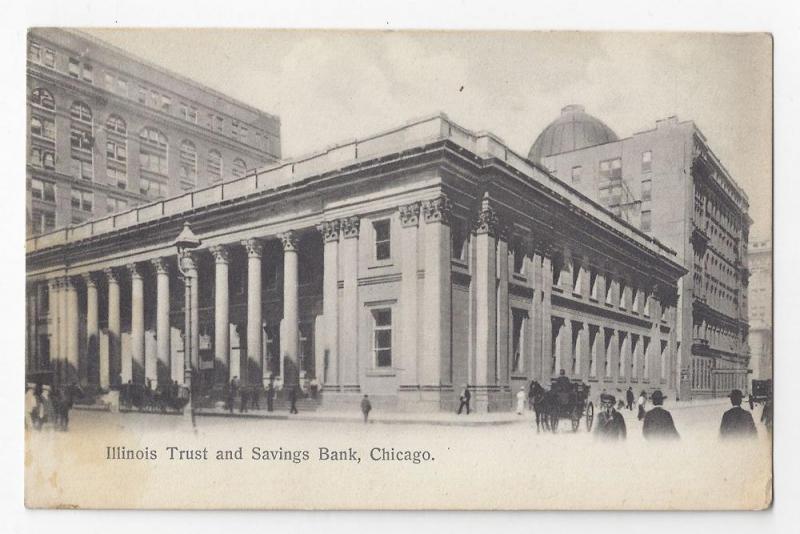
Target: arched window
{"type": "Point", "coordinates": [188, 161]}
{"type": "Point", "coordinates": [153, 151]}
{"type": "Point", "coordinates": [43, 98]}
{"type": "Point", "coordinates": [239, 168]}
{"type": "Point", "coordinates": [115, 124]}
{"type": "Point", "coordinates": [81, 112]}
{"type": "Point", "coordinates": [214, 166]}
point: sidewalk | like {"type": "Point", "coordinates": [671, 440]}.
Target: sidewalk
{"type": "Point", "coordinates": [398, 418]}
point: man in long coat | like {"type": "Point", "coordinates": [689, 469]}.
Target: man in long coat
{"type": "Point", "coordinates": [658, 423]}
{"type": "Point", "coordinates": [610, 424]}
{"type": "Point", "coordinates": [737, 422]}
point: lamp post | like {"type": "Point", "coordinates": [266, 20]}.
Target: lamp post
{"type": "Point", "coordinates": [185, 242]}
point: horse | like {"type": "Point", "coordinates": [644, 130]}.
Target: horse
{"type": "Point", "coordinates": [540, 406]}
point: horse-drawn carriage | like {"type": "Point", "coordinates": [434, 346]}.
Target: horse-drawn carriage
{"type": "Point", "coordinates": [169, 397]}
{"type": "Point", "coordinates": [761, 391]}
{"type": "Point", "coordinates": [569, 400]}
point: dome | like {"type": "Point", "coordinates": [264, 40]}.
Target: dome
{"type": "Point", "coordinates": [573, 130]}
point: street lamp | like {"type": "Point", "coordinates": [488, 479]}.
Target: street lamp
{"type": "Point", "coordinates": [185, 242]}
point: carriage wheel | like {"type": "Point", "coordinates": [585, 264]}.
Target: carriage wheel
{"type": "Point", "coordinates": [589, 417]}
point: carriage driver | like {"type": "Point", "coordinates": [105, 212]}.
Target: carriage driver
{"type": "Point", "coordinates": [563, 382]}
{"type": "Point", "coordinates": [610, 424]}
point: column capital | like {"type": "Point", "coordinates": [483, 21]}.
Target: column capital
{"type": "Point", "coordinates": [437, 209]}
{"type": "Point", "coordinates": [112, 275]}
{"type": "Point", "coordinates": [160, 265]}
{"type": "Point", "coordinates": [329, 230]}
{"type": "Point", "coordinates": [90, 279]}
{"type": "Point", "coordinates": [71, 282]}
{"type": "Point", "coordinates": [487, 222]}
{"type": "Point", "coordinates": [409, 214]}
{"type": "Point", "coordinates": [54, 283]}
{"type": "Point", "coordinates": [135, 269]}
{"type": "Point", "coordinates": [350, 226]}
{"type": "Point", "coordinates": [289, 240]}
{"type": "Point", "coordinates": [254, 247]}
{"type": "Point", "coordinates": [221, 254]}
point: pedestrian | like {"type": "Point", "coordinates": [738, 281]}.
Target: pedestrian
{"type": "Point", "coordinates": [751, 401]}
{"type": "Point", "coordinates": [629, 396]}
{"type": "Point", "coordinates": [255, 401]}
{"type": "Point", "coordinates": [658, 423]}
{"type": "Point", "coordinates": [270, 395]}
{"type": "Point", "coordinates": [55, 405]}
{"type": "Point", "coordinates": [66, 405]}
{"type": "Point", "coordinates": [642, 402]}
{"type": "Point", "coordinates": [366, 407]}
{"type": "Point", "coordinates": [232, 393]}
{"type": "Point", "coordinates": [562, 383]}
{"type": "Point", "coordinates": [521, 400]}
{"type": "Point", "coordinates": [737, 422]}
{"type": "Point", "coordinates": [292, 399]}
{"type": "Point", "coordinates": [245, 394]}
{"type": "Point", "coordinates": [465, 397]}
{"type": "Point", "coordinates": [610, 424]}
{"type": "Point", "coordinates": [766, 413]}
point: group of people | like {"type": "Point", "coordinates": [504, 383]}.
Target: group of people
{"type": "Point", "coordinates": [250, 396]}
{"type": "Point", "coordinates": [658, 423]}
{"type": "Point", "coordinates": [52, 405]}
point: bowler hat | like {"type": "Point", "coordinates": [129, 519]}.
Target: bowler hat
{"type": "Point", "coordinates": [657, 397]}
{"type": "Point", "coordinates": [605, 398]}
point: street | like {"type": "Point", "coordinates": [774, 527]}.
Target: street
{"type": "Point", "coordinates": [283, 463]}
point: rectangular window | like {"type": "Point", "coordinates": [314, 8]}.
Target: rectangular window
{"type": "Point", "coordinates": [153, 163]}
{"type": "Point", "coordinates": [647, 161]}
{"type": "Point", "coordinates": [152, 188]}
{"type": "Point", "coordinates": [116, 151]}
{"type": "Point", "coordinates": [115, 204]}
{"type": "Point", "coordinates": [519, 259]}
{"type": "Point", "coordinates": [42, 221]}
{"type": "Point", "coordinates": [42, 190]}
{"type": "Point", "coordinates": [218, 123]}
{"type": "Point", "coordinates": [141, 95]}
{"type": "Point", "coordinates": [109, 81]}
{"type": "Point", "coordinates": [646, 221]}
{"type": "Point", "coordinates": [122, 87]}
{"type": "Point", "coordinates": [49, 58]}
{"type": "Point", "coordinates": [74, 68]}
{"type": "Point", "coordinates": [165, 103]}
{"type": "Point", "coordinates": [576, 174]}
{"type": "Point", "coordinates": [34, 52]}
{"type": "Point", "coordinates": [82, 200]}
{"type": "Point", "coordinates": [647, 190]}
{"type": "Point", "coordinates": [611, 169]}
{"type": "Point", "coordinates": [88, 74]}
{"type": "Point", "coordinates": [44, 128]}
{"type": "Point", "coordinates": [519, 317]}
{"type": "Point", "coordinates": [382, 337]}
{"type": "Point", "coordinates": [82, 169]}
{"type": "Point", "coordinates": [383, 250]}
{"type": "Point", "coordinates": [117, 177]}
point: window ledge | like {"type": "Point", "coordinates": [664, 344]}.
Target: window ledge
{"type": "Point", "coordinates": [388, 372]}
{"type": "Point", "coordinates": [380, 264]}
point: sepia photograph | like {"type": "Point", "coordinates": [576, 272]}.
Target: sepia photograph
{"type": "Point", "coordinates": [340, 269]}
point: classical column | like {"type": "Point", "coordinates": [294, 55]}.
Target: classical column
{"type": "Point", "coordinates": [409, 239]}
{"type": "Point", "coordinates": [435, 369]}
{"type": "Point", "coordinates": [73, 341]}
{"type": "Point", "coordinates": [53, 325]}
{"type": "Point", "coordinates": [486, 294]}
{"type": "Point", "coordinates": [534, 274]}
{"type": "Point", "coordinates": [253, 371]}
{"type": "Point", "coordinates": [137, 323]}
{"type": "Point", "coordinates": [112, 367]}
{"type": "Point", "coordinates": [547, 323]}
{"type": "Point", "coordinates": [92, 330]}
{"type": "Point", "coordinates": [163, 356]}
{"type": "Point", "coordinates": [348, 335]}
{"type": "Point", "coordinates": [330, 303]}
{"type": "Point", "coordinates": [291, 312]}
{"type": "Point", "coordinates": [222, 350]}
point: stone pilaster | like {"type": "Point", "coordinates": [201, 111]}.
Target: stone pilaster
{"type": "Point", "coordinates": [486, 297]}
{"type": "Point", "coordinates": [329, 366]}
{"type": "Point", "coordinates": [409, 349]}
{"type": "Point", "coordinates": [348, 334]}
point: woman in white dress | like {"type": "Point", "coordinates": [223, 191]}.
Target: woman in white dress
{"type": "Point", "coordinates": [521, 401]}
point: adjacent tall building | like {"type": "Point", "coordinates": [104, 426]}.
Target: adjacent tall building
{"type": "Point", "coordinates": [760, 261]}
{"type": "Point", "coordinates": [668, 183]}
{"type": "Point", "coordinates": [107, 131]}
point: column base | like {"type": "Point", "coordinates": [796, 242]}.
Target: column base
{"type": "Point", "coordinates": [488, 399]}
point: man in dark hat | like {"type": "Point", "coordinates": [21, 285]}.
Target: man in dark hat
{"type": "Point", "coordinates": [658, 422]}
{"type": "Point", "coordinates": [610, 424]}
{"type": "Point", "coordinates": [737, 422]}
{"type": "Point", "coordinates": [629, 397]}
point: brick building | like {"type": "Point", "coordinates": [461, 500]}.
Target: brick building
{"type": "Point", "coordinates": [108, 131]}
{"type": "Point", "coordinates": [668, 183]}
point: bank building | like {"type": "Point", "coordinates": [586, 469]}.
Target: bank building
{"type": "Point", "coordinates": [402, 265]}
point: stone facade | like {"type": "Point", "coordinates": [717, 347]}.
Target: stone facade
{"type": "Point", "coordinates": [403, 266]}
{"type": "Point", "coordinates": [107, 131]}
{"type": "Point", "coordinates": [760, 308]}
{"type": "Point", "coordinates": [643, 180]}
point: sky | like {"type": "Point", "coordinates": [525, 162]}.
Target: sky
{"type": "Point", "coordinates": [329, 86]}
